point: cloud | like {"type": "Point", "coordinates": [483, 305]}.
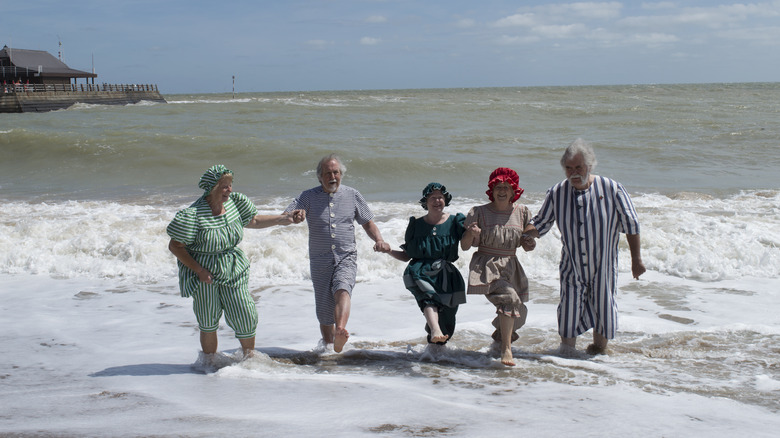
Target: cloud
{"type": "Point", "coordinates": [742, 35]}
{"type": "Point", "coordinates": [319, 43]}
{"type": "Point", "coordinates": [466, 23]}
{"type": "Point", "coordinates": [653, 39]}
{"type": "Point", "coordinates": [561, 13]}
{"type": "Point", "coordinates": [715, 17]}
{"type": "Point", "coordinates": [506, 40]}
{"type": "Point", "coordinates": [658, 5]}
{"type": "Point", "coordinates": [588, 10]}
{"type": "Point", "coordinates": [560, 31]}
{"type": "Point", "coordinates": [524, 20]}
{"type": "Point", "coordinates": [651, 24]}
{"type": "Point", "coordinates": [765, 36]}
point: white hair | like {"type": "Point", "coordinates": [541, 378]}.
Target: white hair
{"type": "Point", "coordinates": [580, 147]}
{"type": "Point", "coordinates": [328, 159]}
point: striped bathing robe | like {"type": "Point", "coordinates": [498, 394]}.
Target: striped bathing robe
{"type": "Point", "coordinates": [590, 222]}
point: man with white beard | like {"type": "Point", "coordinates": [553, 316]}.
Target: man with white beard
{"type": "Point", "coordinates": [330, 211]}
{"type": "Point", "coordinates": [591, 211]}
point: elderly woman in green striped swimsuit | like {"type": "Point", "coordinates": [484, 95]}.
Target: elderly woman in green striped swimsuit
{"type": "Point", "coordinates": [212, 269]}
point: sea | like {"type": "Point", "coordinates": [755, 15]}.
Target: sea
{"type": "Point", "coordinates": [97, 341]}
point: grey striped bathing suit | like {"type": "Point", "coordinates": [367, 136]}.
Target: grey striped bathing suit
{"type": "Point", "coordinates": [331, 220]}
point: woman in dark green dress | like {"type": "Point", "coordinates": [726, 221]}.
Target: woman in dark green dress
{"type": "Point", "coordinates": [431, 246]}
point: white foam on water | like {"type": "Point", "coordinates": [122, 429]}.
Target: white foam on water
{"type": "Point", "coordinates": [98, 341]}
{"type": "Point", "coordinates": [87, 358]}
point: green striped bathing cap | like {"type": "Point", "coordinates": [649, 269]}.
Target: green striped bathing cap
{"type": "Point", "coordinates": [212, 176]}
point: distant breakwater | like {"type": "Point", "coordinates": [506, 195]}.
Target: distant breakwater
{"type": "Point", "coordinates": [20, 98]}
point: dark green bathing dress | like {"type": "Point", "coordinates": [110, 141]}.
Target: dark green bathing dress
{"type": "Point", "coordinates": [430, 276]}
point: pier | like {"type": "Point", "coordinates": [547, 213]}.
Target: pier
{"type": "Point", "coordinates": [19, 98]}
{"type": "Point", "coordinates": [36, 81]}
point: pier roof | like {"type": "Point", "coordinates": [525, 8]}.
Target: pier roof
{"type": "Point", "coordinates": [35, 60]}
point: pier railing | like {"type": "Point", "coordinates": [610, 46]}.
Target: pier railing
{"type": "Point", "coordinates": [76, 88]}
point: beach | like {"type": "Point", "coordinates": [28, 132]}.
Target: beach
{"type": "Point", "coordinates": [99, 342]}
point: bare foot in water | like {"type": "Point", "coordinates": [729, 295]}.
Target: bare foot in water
{"type": "Point", "coordinates": [438, 336]}
{"type": "Point", "coordinates": [595, 350]}
{"type": "Point", "coordinates": [341, 338]}
{"type": "Point", "coordinates": [506, 357]}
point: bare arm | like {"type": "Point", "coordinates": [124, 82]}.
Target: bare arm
{"type": "Point", "coordinates": [180, 251]}
{"type": "Point", "coordinates": [399, 255]}
{"type": "Point", "coordinates": [269, 220]}
{"type": "Point", "coordinates": [634, 244]}
{"type": "Point", "coordinates": [470, 236]}
{"type": "Point", "coordinates": [528, 241]}
{"type": "Point", "coordinates": [373, 232]}
{"type": "Point", "coordinates": [531, 231]}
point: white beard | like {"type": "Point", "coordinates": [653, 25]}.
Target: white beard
{"type": "Point", "coordinates": [332, 186]}
{"type": "Point", "coordinates": [578, 180]}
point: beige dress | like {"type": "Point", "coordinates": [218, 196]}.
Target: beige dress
{"type": "Point", "coordinates": [494, 270]}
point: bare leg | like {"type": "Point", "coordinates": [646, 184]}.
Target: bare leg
{"type": "Point", "coordinates": [327, 333]}
{"type": "Point", "coordinates": [432, 318]}
{"type": "Point", "coordinates": [600, 340]}
{"type": "Point", "coordinates": [507, 324]}
{"type": "Point", "coordinates": [341, 313]}
{"type": "Point", "coordinates": [568, 347]}
{"type": "Point", "coordinates": [248, 345]}
{"type": "Point", "coordinates": [599, 345]}
{"type": "Point", "coordinates": [208, 342]}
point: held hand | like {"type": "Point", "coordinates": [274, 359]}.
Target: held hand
{"type": "Point", "coordinates": [475, 231]}
{"type": "Point", "coordinates": [528, 243]}
{"type": "Point", "coordinates": [298, 216]}
{"type": "Point", "coordinates": [382, 246]}
{"type": "Point", "coordinates": [293, 217]}
{"type": "Point", "coordinates": [287, 218]}
{"type": "Point", "coordinates": [637, 268]}
{"type": "Point", "coordinates": [205, 276]}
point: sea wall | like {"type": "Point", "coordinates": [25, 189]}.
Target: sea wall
{"type": "Point", "coordinates": [41, 101]}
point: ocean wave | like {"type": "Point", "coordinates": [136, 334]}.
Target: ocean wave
{"type": "Point", "coordinates": [686, 236]}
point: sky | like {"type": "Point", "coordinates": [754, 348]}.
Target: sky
{"type": "Point", "coordinates": [193, 46]}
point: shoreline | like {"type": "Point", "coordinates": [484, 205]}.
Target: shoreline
{"type": "Point", "coordinates": [84, 343]}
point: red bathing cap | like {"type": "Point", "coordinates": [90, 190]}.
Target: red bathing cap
{"type": "Point", "coordinates": [507, 175]}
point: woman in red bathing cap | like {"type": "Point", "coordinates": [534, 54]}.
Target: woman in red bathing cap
{"type": "Point", "coordinates": [496, 229]}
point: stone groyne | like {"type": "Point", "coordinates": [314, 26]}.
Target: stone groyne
{"type": "Point", "coordinates": [40, 98]}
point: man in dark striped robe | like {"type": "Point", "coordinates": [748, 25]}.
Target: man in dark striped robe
{"type": "Point", "coordinates": [591, 211]}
